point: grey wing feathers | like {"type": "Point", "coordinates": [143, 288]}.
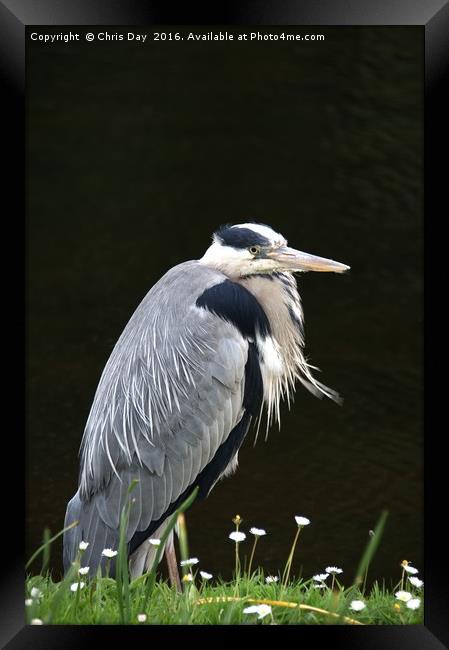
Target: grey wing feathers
{"type": "Point", "coordinates": [91, 527]}
{"type": "Point", "coordinates": [169, 395]}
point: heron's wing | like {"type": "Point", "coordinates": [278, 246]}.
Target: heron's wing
{"type": "Point", "coordinates": [171, 394]}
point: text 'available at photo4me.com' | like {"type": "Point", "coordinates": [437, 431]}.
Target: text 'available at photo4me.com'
{"type": "Point", "coordinates": [140, 37]}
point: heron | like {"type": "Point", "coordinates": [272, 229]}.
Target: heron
{"type": "Point", "coordinates": [215, 344]}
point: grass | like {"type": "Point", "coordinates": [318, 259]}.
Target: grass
{"type": "Point", "coordinates": [209, 604]}
{"type": "Point", "coordinates": [103, 600]}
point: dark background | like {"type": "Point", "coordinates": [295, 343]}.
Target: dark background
{"type": "Point", "coordinates": [136, 153]}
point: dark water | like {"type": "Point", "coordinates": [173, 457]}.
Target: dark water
{"type": "Point", "coordinates": [135, 155]}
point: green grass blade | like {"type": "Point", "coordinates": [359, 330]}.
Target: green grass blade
{"type": "Point", "coordinates": [152, 574]}
{"type": "Point", "coordinates": [46, 550]}
{"type": "Point", "coordinates": [370, 549]}
{"type": "Point", "coordinates": [122, 569]}
{"type": "Point", "coordinates": [63, 591]}
{"type": "Point", "coordinates": [183, 541]}
{"type": "Point", "coordinates": [49, 541]}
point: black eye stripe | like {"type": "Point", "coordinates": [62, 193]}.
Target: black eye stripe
{"type": "Point", "coordinates": [241, 237]}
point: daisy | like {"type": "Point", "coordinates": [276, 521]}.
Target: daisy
{"type": "Point", "coordinates": [108, 552]}
{"type": "Point", "coordinates": [320, 577]}
{"type": "Point", "coordinates": [258, 532]}
{"type": "Point", "coordinates": [260, 610]}
{"type": "Point", "coordinates": [302, 521]}
{"type": "Point", "coordinates": [270, 579]}
{"type": "Point", "coordinates": [403, 595]}
{"type": "Point", "coordinates": [416, 582]}
{"type": "Point", "coordinates": [409, 569]}
{"type": "Point", "coordinates": [141, 618]}
{"type": "Point", "coordinates": [333, 570]}
{"type": "Point", "coordinates": [357, 605]}
{"type": "Point", "coordinates": [192, 560]}
{"type": "Point", "coordinates": [83, 570]}
{"type": "Point", "coordinates": [83, 546]}
{"type": "Point", "coordinates": [237, 536]}
{"type": "Point", "coordinates": [76, 585]}
{"type": "Point", "coordinates": [205, 575]}
{"type": "Point", "coordinates": [413, 603]}
{"type": "Point", "coordinates": [320, 585]}
{"type": "Point", "coordinates": [28, 602]}
{"type": "Point", "coordinates": [36, 593]}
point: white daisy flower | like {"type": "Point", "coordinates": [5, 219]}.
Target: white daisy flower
{"type": "Point", "coordinates": [270, 579]}
{"type": "Point", "coordinates": [403, 595]}
{"type": "Point", "coordinates": [108, 552]}
{"type": "Point", "coordinates": [141, 618]}
{"type": "Point", "coordinates": [36, 593]}
{"type": "Point", "coordinates": [237, 536]}
{"type": "Point", "coordinates": [319, 585]}
{"type": "Point", "coordinates": [76, 585]}
{"type": "Point", "coordinates": [83, 570]}
{"type": "Point", "coordinates": [357, 605]}
{"type": "Point", "coordinates": [302, 521]}
{"type": "Point", "coordinates": [410, 569]}
{"type": "Point", "coordinates": [320, 577]}
{"type": "Point", "coordinates": [192, 560]}
{"type": "Point", "coordinates": [333, 570]}
{"type": "Point", "coordinates": [258, 532]}
{"type": "Point", "coordinates": [416, 582]}
{"type": "Point", "coordinates": [28, 602]}
{"type": "Point", "coordinates": [260, 610]}
{"type": "Point", "coordinates": [205, 575]}
{"type": "Point", "coordinates": [36, 621]}
{"type": "Point", "coordinates": [413, 603]}
{"type": "Point", "coordinates": [83, 546]}
{"type": "Point", "coordinates": [154, 541]}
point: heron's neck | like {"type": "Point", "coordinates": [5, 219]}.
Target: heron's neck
{"type": "Point", "coordinates": [279, 298]}
{"type": "Point", "coordinates": [280, 354]}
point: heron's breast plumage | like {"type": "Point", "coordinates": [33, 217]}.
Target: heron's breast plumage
{"type": "Point", "coordinates": [281, 353]}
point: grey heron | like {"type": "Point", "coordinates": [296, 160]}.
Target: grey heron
{"type": "Point", "coordinates": [213, 342]}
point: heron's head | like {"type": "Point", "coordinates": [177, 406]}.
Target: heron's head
{"type": "Point", "coordinates": [247, 249]}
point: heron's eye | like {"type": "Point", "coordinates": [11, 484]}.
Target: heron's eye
{"type": "Point", "coordinates": [254, 250]}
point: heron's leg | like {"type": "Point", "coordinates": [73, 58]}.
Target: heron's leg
{"type": "Point", "coordinates": [170, 556]}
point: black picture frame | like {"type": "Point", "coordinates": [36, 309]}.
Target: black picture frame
{"type": "Point", "coordinates": [15, 16]}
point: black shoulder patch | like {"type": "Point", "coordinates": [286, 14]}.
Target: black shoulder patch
{"type": "Point", "coordinates": [253, 394]}
{"type": "Point", "coordinates": [234, 303]}
{"type": "Point", "coordinates": [241, 237]}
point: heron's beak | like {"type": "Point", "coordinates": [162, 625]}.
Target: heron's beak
{"type": "Point", "coordinates": [292, 260]}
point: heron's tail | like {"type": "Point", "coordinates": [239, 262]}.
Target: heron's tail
{"type": "Point", "coordinates": [91, 529]}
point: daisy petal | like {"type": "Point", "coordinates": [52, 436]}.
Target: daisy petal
{"type": "Point", "coordinates": [413, 603]}
{"type": "Point", "coordinates": [357, 605]}
{"type": "Point", "coordinates": [302, 521]}
{"type": "Point", "coordinates": [258, 532]}
{"type": "Point", "coordinates": [190, 561]}
{"type": "Point", "coordinates": [403, 595]}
